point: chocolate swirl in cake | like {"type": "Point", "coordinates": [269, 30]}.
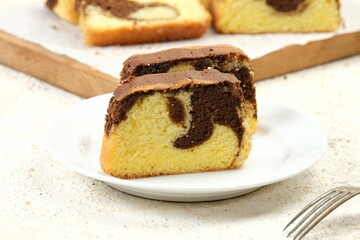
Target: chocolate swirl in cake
{"type": "Point", "coordinates": [123, 8]}
{"type": "Point", "coordinates": [176, 110]}
{"type": "Point", "coordinates": [285, 5]}
{"type": "Point", "coordinates": [210, 105]}
{"type": "Point", "coordinates": [215, 99]}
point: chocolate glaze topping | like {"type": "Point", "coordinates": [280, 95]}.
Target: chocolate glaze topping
{"type": "Point", "coordinates": [51, 3]}
{"type": "Point", "coordinates": [215, 98]}
{"type": "Point", "coordinates": [285, 5]}
{"type": "Point", "coordinates": [120, 8]}
{"type": "Point", "coordinates": [170, 81]}
{"type": "Point", "coordinates": [200, 58]}
{"type": "Point", "coordinates": [179, 54]}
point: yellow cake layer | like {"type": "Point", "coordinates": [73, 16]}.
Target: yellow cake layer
{"type": "Point", "coordinates": [142, 145]}
{"type": "Point", "coordinates": [255, 16]}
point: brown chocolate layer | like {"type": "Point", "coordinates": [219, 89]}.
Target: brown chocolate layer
{"type": "Point", "coordinates": [176, 110]}
{"type": "Point", "coordinates": [216, 56]}
{"type": "Point", "coordinates": [285, 5]}
{"type": "Point", "coordinates": [171, 81]}
{"type": "Point", "coordinates": [211, 104]}
{"type": "Point", "coordinates": [215, 98]}
{"type": "Point", "coordinates": [51, 3]}
{"type": "Point", "coordinates": [120, 8]}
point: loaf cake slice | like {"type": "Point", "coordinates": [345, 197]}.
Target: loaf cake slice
{"type": "Point", "coordinates": [65, 9]}
{"type": "Point", "coordinates": [108, 22]}
{"type": "Point", "coordinates": [224, 58]}
{"type": "Point", "coordinates": [270, 16]}
{"type": "Point", "coordinates": [173, 123]}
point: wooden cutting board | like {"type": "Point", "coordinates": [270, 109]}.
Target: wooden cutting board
{"type": "Point", "coordinates": [86, 81]}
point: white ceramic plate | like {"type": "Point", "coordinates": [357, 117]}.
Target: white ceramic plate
{"type": "Point", "coordinates": [286, 144]}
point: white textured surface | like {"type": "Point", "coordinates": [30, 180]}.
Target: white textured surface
{"type": "Point", "coordinates": [41, 199]}
{"type": "Point", "coordinates": [37, 24]}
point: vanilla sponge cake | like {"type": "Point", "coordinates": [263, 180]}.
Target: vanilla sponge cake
{"type": "Point", "coordinates": [65, 9]}
{"type": "Point", "coordinates": [108, 22]}
{"type": "Point", "coordinates": [267, 16]}
{"type": "Point", "coordinates": [172, 123]}
{"type": "Point", "coordinates": [224, 58]}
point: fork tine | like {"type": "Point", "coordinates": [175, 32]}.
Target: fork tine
{"type": "Point", "coordinates": [315, 207]}
{"type": "Point", "coordinates": [326, 210]}
{"type": "Point", "coordinates": [308, 206]}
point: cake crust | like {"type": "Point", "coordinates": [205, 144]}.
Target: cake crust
{"type": "Point", "coordinates": [144, 34]}
{"type": "Point", "coordinates": [176, 54]}
{"type": "Point", "coordinates": [170, 81]}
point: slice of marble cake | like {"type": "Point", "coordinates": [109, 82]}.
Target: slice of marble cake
{"type": "Point", "coordinates": [173, 123]}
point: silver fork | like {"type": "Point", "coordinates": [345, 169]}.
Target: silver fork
{"type": "Point", "coordinates": [318, 209]}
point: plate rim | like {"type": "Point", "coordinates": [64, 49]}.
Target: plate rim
{"type": "Point", "coordinates": [154, 188]}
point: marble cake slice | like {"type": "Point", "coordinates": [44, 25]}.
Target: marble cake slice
{"type": "Point", "coordinates": [109, 22]}
{"type": "Point", "coordinates": [173, 123]}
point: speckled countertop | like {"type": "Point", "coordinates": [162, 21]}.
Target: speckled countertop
{"type": "Point", "coordinates": [42, 199]}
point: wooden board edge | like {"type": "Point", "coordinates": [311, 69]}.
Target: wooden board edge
{"type": "Point", "coordinates": [59, 70]}
{"type": "Point", "coordinates": [85, 81]}
{"type": "Point", "coordinates": [296, 57]}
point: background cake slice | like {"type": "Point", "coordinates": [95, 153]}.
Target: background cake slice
{"type": "Point", "coordinates": [65, 9]}
{"type": "Point", "coordinates": [267, 16]}
{"type": "Point", "coordinates": [172, 123]}
{"type": "Point", "coordinates": [107, 22]}
{"type": "Point", "coordinates": [224, 58]}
